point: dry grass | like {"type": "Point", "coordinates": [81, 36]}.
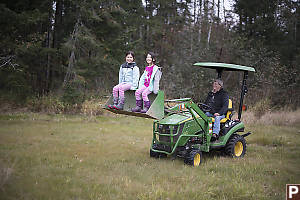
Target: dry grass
{"type": "Point", "coordinates": [91, 107]}
{"type": "Point", "coordinates": [74, 157]}
{"type": "Point", "coordinates": [280, 118]}
{"type": "Point", "coordinates": [53, 104]}
{"type": "Point", "coordinates": [5, 173]}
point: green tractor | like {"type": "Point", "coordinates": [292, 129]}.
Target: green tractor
{"type": "Point", "coordinates": [185, 131]}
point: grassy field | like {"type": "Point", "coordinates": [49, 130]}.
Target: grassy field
{"type": "Point", "coordinates": [107, 157]}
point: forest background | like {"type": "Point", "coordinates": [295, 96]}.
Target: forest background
{"type": "Point", "coordinates": [67, 52]}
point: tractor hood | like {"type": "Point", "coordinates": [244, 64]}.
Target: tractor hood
{"type": "Point", "coordinates": [175, 119]}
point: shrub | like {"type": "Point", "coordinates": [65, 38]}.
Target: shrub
{"type": "Point", "coordinates": [92, 107]}
{"type": "Point", "coordinates": [48, 104]}
{"type": "Point", "coordinates": [74, 92]}
{"type": "Point", "coordinates": [261, 107]}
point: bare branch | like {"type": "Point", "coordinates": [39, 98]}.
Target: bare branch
{"type": "Point", "coordinates": [8, 61]}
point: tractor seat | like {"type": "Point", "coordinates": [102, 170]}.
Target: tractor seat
{"type": "Point", "coordinates": [228, 114]}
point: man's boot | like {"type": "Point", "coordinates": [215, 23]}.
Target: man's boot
{"type": "Point", "coordinates": [120, 104]}
{"type": "Point", "coordinates": [116, 99]}
{"type": "Point", "coordinates": [146, 106]}
{"type": "Point", "coordinates": [138, 107]}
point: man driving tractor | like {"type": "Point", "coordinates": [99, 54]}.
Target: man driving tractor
{"type": "Point", "coordinates": [218, 100]}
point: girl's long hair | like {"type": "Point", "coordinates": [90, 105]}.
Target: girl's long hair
{"type": "Point", "coordinates": [153, 56]}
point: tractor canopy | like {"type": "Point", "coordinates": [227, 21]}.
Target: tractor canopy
{"type": "Point", "coordinates": [220, 67]}
{"type": "Point", "coordinates": [224, 66]}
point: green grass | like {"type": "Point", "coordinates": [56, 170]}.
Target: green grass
{"type": "Point", "coordinates": [72, 157]}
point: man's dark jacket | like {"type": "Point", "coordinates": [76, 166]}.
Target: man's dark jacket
{"type": "Point", "coordinates": [218, 102]}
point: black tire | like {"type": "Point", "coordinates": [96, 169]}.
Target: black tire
{"type": "Point", "coordinates": [194, 158]}
{"type": "Point", "coordinates": [236, 146]}
{"type": "Point", "coordinates": [154, 154]}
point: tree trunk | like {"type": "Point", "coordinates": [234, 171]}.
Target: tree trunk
{"type": "Point", "coordinates": [199, 21]}
{"type": "Point", "coordinates": [218, 12]}
{"type": "Point", "coordinates": [48, 45]}
{"type": "Point", "coordinates": [57, 24]}
{"type": "Point", "coordinates": [209, 33]}
{"type": "Point", "coordinates": [225, 20]}
{"type": "Point", "coordinates": [193, 27]}
{"type": "Point", "coordinates": [70, 70]}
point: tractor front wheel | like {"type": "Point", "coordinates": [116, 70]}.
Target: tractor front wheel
{"type": "Point", "coordinates": [236, 146]}
{"type": "Point", "coordinates": [194, 158]}
{"type": "Point", "coordinates": [156, 154]}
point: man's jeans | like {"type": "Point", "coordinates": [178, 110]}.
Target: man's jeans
{"type": "Point", "coordinates": [216, 128]}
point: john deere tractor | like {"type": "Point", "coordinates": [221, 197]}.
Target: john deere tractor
{"type": "Point", "coordinates": [185, 131]}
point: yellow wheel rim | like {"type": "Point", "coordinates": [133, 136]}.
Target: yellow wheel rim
{"type": "Point", "coordinates": [238, 149]}
{"type": "Point", "coordinates": [197, 159]}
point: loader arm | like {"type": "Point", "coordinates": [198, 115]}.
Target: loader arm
{"type": "Point", "coordinates": [187, 103]}
{"type": "Point", "coordinates": [204, 122]}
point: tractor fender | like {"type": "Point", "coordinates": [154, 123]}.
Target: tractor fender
{"type": "Point", "coordinates": [246, 134]}
{"type": "Point", "coordinates": [236, 128]}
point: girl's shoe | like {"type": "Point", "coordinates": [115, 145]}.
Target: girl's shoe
{"type": "Point", "coordinates": [116, 99]}
{"type": "Point", "coordinates": [120, 104]}
{"type": "Point", "coordinates": [138, 107]}
{"type": "Point", "coordinates": [146, 106]}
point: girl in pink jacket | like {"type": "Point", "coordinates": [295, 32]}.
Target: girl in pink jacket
{"type": "Point", "coordinates": [146, 85]}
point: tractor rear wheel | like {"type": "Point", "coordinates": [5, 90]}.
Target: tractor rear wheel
{"type": "Point", "coordinates": [194, 157]}
{"type": "Point", "coordinates": [236, 146]}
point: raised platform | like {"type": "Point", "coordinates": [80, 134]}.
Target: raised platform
{"type": "Point", "coordinates": [156, 110]}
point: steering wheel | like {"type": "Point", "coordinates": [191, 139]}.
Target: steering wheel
{"type": "Point", "coordinates": [204, 107]}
